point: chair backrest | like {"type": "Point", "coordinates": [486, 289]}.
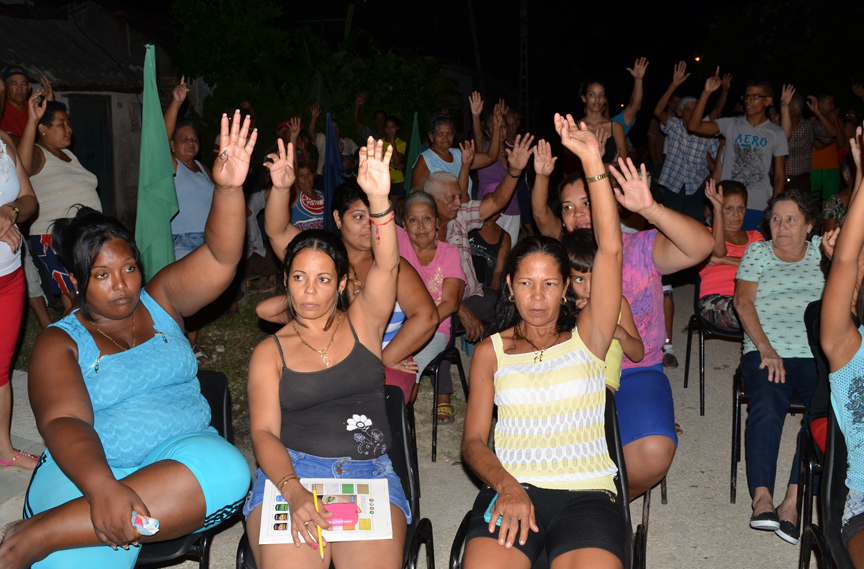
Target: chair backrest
{"type": "Point", "coordinates": [616, 453]}
{"type": "Point", "coordinates": [834, 492]}
{"type": "Point", "coordinates": [401, 453]}
{"type": "Point", "coordinates": [696, 291]}
{"type": "Point", "coordinates": [214, 388]}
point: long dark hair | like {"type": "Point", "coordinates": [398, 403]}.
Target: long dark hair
{"type": "Point", "coordinates": [78, 241]}
{"type": "Point", "coordinates": [505, 315]}
{"type": "Point", "coordinates": [328, 243]}
{"type": "Point", "coordinates": [581, 249]}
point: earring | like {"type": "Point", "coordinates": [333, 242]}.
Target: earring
{"type": "Point", "coordinates": [563, 301]}
{"type": "Point", "coordinates": [511, 298]}
{"type": "Point", "coordinates": [339, 226]}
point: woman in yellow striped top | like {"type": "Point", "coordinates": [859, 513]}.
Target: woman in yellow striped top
{"type": "Point", "coordinates": [543, 367]}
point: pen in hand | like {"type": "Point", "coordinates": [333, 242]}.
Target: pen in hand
{"type": "Point", "coordinates": [315, 498]}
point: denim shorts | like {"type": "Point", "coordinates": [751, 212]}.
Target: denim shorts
{"type": "Point", "coordinates": [853, 515]}
{"type": "Point", "coordinates": [185, 243]}
{"type": "Point", "coordinates": [310, 466]}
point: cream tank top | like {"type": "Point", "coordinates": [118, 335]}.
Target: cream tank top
{"type": "Point", "coordinates": [59, 186]}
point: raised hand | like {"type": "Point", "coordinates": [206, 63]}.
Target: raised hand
{"type": "Point", "coordinates": [499, 114]}
{"type": "Point", "coordinates": [813, 104]}
{"type": "Point", "coordinates": [180, 91]}
{"type": "Point", "coordinates": [360, 100]}
{"type": "Point", "coordinates": [602, 136]}
{"type": "Point", "coordinates": [727, 81]}
{"type": "Point", "coordinates": [858, 90]}
{"type": "Point", "coordinates": [634, 193]}
{"type": "Point", "coordinates": [544, 162]}
{"type": "Point", "coordinates": [294, 127]}
{"type": "Point", "coordinates": [467, 149]}
{"type": "Point", "coordinates": [829, 242]}
{"type": "Point", "coordinates": [577, 139]}
{"type": "Point", "coordinates": [315, 110]}
{"type": "Point", "coordinates": [786, 95]}
{"type": "Point", "coordinates": [373, 176]}
{"type": "Point", "coordinates": [517, 158]}
{"type": "Point", "coordinates": [46, 85]}
{"type": "Point", "coordinates": [856, 144]}
{"type": "Point", "coordinates": [235, 152]}
{"type": "Point", "coordinates": [282, 165]}
{"type": "Point", "coordinates": [714, 82]}
{"type": "Point", "coordinates": [476, 102]}
{"type": "Point", "coordinates": [35, 110]}
{"type": "Point", "coordinates": [444, 111]}
{"type": "Point", "coordinates": [714, 193]}
{"type": "Point", "coordinates": [679, 73]}
{"type": "Point", "coordinates": [639, 68]}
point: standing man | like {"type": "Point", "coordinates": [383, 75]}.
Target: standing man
{"type": "Point", "coordinates": [17, 88]}
{"type": "Point", "coordinates": [802, 136]}
{"type": "Point", "coordinates": [347, 147]}
{"type": "Point", "coordinates": [752, 143]}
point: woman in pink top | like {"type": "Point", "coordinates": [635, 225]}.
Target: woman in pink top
{"type": "Point", "coordinates": [717, 289]}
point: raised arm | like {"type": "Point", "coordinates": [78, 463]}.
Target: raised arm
{"type": "Point", "coordinates": [359, 101]}
{"type": "Point", "coordinates": [32, 158]}
{"type": "Point", "coordinates": [840, 337]}
{"type": "Point", "coordinates": [374, 305]}
{"type": "Point", "coordinates": [638, 72]}
{"type": "Point", "coordinates": [679, 76]}
{"type": "Point", "coordinates": [517, 160]}
{"type": "Point", "coordinates": [547, 222]}
{"type": "Point", "coordinates": [467, 152]}
{"type": "Point", "coordinates": [277, 212]}
{"type": "Point", "coordinates": [721, 100]}
{"type": "Point", "coordinates": [597, 321]}
{"type": "Point", "coordinates": [475, 100]}
{"type": "Point", "coordinates": [628, 335]}
{"type": "Point", "coordinates": [714, 193]}
{"type": "Point", "coordinates": [620, 139]}
{"type": "Point", "coordinates": [785, 109]}
{"type": "Point", "coordinates": [697, 125]}
{"type": "Point", "coordinates": [180, 284]}
{"type": "Point", "coordinates": [314, 113]}
{"type": "Point", "coordinates": [178, 96]}
{"type": "Point", "coordinates": [481, 160]}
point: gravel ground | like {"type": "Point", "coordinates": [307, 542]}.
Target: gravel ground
{"type": "Point", "coordinates": [697, 528]}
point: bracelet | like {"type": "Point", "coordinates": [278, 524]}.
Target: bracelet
{"type": "Point", "coordinates": [597, 178]}
{"type": "Point", "coordinates": [286, 479]}
{"type": "Point", "coordinates": [659, 219]}
{"type": "Point", "coordinates": [383, 213]}
{"type": "Point", "coordinates": [377, 225]}
{"type": "Point", "coordinates": [512, 176]}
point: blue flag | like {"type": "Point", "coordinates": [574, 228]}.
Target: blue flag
{"type": "Point", "coordinates": [332, 173]}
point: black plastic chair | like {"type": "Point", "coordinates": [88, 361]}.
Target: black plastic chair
{"type": "Point", "coordinates": [447, 357]}
{"type": "Point", "coordinates": [403, 457]}
{"type": "Point", "coordinates": [634, 549]}
{"type": "Point", "coordinates": [214, 388]}
{"type": "Point", "coordinates": [828, 541]}
{"type": "Point", "coordinates": [739, 397]}
{"type": "Point", "coordinates": [706, 331]}
{"type": "Point", "coordinates": [812, 462]}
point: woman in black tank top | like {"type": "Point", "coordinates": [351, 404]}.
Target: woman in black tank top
{"type": "Point", "coordinates": [316, 388]}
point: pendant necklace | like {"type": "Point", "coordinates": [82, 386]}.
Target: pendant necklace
{"type": "Point", "coordinates": [322, 353]}
{"type": "Point", "coordinates": [112, 339]}
{"type": "Point", "coordinates": [538, 353]}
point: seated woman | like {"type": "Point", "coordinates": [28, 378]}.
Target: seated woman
{"type": "Point", "coordinates": [777, 279]}
{"type": "Point", "coordinates": [440, 268]}
{"type": "Point", "coordinates": [843, 345]}
{"type": "Point", "coordinates": [413, 320]}
{"type": "Point", "coordinates": [325, 415]}
{"type": "Point", "coordinates": [119, 406]}
{"type": "Point", "coordinates": [729, 203]}
{"type": "Point", "coordinates": [552, 490]}
{"type": "Point", "coordinates": [581, 249]}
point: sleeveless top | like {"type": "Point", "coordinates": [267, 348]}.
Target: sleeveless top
{"type": "Point", "coordinates": [847, 386]}
{"type": "Point", "coordinates": [551, 427]}
{"type": "Point", "coordinates": [436, 164]}
{"type": "Point", "coordinates": [397, 319]}
{"type": "Point", "coordinates": [10, 187]}
{"type": "Point", "coordinates": [194, 198]}
{"type": "Point", "coordinates": [59, 186]}
{"type": "Point", "coordinates": [611, 148]}
{"type": "Point", "coordinates": [144, 396]}
{"type": "Point", "coordinates": [308, 213]}
{"type": "Point", "coordinates": [487, 252]}
{"type": "Point", "coordinates": [338, 411]}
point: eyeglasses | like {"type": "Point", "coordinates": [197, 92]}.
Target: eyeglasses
{"type": "Point", "coordinates": [752, 96]}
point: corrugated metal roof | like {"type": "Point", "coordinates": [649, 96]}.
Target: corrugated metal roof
{"type": "Point", "coordinates": [60, 50]}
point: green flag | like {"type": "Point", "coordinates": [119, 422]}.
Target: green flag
{"type": "Point", "coordinates": [413, 154]}
{"type": "Point", "coordinates": [157, 197]}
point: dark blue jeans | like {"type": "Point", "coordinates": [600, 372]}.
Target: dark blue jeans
{"type": "Point", "coordinates": [769, 404]}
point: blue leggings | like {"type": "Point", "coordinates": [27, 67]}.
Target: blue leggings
{"type": "Point", "coordinates": [220, 468]}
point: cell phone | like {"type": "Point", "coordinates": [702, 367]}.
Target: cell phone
{"type": "Point", "coordinates": [490, 509]}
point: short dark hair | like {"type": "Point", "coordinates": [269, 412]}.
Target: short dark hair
{"type": "Point", "coordinates": [504, 314]}
{"type": "Point", "coordinates": [569, 179]}
{"type": "Point", "coordinates": [78, 241]}
{"type": "Point", "coordinates": [184, 122]}
{"type": "Point", "coordinates": [581, 249]}
{"type": "Point", "coordinates": [764, 85]}
{"type": "Point", "coordinates": [380, 112]}
{"type": "Point", "coordinates": [734, 188]}
{"type": "Point", "coordinates": [345, 194]}
{"type": "Point", "coordinates": [394, 120]}
{"type": "Point", "coordinates": [811, 210]}
{"type": "Point", "coordinates": [51, 109]}
{"type": "Point", "coordinates": [326, 242]}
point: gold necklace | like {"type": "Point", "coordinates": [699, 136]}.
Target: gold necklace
{"type": "Point", "coordinates": [538, 357]}
{"type": "Point", "coordinates": [112, 339]}
{"type": "Point", "coordinates": [323, 352]}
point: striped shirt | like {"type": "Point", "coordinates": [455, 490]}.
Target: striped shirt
{"type": "Point", "coordinates": [397, 318]}
{"type": "Point", "coordinates": [551, 429]}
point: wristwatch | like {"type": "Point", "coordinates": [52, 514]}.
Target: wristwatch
{"type": "Point", "coordinates": [16, 210]}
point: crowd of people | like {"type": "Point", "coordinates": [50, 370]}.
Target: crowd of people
{"type": "Point", "coordinates": [472, 244]}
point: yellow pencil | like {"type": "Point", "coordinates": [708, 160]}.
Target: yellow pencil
{"type": "Point", "coordinates": [315, 498]}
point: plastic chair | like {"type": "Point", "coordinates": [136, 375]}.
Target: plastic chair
{"type": "Point", "coordinates": [828, 541]}
{"type": "Point", "coordinates": [214, 387]}
{"type": "Point", "coordinates": [739, 397]}
{"type": "Point", "coordinates": [706, 331]}
{"type": "Point", "coordinates": [447, 357]}
{"type": "Point", "coordinates": [634, 549]}
{"type": "Point", "coordinates": [403, 456]}
{"type": "Point", "coordinates": [811, 463]}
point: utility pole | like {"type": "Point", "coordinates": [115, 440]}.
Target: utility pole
{"type": "Point", "coordinates": [524, 100]}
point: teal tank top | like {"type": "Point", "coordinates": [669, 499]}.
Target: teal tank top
{"type": "Point", "coordinates": [847, 398]}
{"type": "Point", "coordinates": [144, 396]}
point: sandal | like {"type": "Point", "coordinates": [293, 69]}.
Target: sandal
{"type": "Point", "coordinates": [4, 464]}
{"type": "Point", "coordinates": [445, 409]}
